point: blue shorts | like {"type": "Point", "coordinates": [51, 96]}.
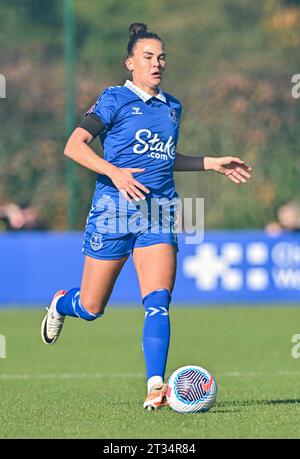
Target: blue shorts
{"type": "Point", "coordinates": [115, 227]}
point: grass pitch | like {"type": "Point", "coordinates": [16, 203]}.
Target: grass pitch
{"type": "Point", "coordinates": [91, 383]}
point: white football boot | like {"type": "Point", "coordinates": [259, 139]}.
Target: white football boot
{"type": "Point", "coordinates": [53, 322]}
{"type": "Point", "coordinates": [156, 397]}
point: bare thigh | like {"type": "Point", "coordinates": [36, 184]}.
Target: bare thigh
{"type": "Point", "coordinates": [156, 267]}
{"type": "Point", "coordinates": [98, 280]}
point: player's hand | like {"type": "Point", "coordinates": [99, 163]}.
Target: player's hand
{"type": "Point", "coordinates": [126, 183]}
{"type": "Point", "coordinates": [232, 167]}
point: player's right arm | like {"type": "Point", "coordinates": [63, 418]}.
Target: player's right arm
{"type": "Point", "coordinates": [78, 149]}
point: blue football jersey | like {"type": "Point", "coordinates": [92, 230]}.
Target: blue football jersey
{"type": "Point", "coordinates": [141, 131]}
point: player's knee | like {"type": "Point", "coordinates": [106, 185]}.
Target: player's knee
{"type": "Point", "coordinates": [92, 306]}
{"type": "Point", "coordinates": [159, 298]}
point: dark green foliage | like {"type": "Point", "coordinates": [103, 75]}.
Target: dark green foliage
{"type": "Point", "coordinates": [230, 63]}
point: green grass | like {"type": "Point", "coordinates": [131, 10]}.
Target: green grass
{"type": "Point", "coordinates": [91, 383]}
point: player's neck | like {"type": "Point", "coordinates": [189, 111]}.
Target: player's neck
{"type": "Point", "coordinates": [151, 90]}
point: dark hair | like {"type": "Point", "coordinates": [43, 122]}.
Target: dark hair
{"type": "Point", "coordinates": [138, 31]}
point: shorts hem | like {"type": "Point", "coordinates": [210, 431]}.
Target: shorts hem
{"type": "Point", "coordinates": [156, 243]}
{"type": "Point", "coordinates": [109, 257]}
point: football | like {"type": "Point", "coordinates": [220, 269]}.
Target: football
{"type": "Point", "coordinates": [191, 389]}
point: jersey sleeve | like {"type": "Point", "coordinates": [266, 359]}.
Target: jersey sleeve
{"type": "Point", "coordinates": [179, 112]}
{"type": "Point", "coordinates": [105, 108]}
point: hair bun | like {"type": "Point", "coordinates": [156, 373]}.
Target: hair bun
{"type": "Point", "coordinates": [136, 28]}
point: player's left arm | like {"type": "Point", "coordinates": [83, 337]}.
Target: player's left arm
{"type": "Point", "coordinates": [231, 166]}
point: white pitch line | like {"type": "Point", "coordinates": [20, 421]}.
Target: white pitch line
{"type": "Point", "coordinates": [257, 374]}
{"type": "Point", "coordinates": [71, 375]}
{"type": "Point", "coordinates": [232, 374]}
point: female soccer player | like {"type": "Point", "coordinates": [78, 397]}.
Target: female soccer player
{"type": "Point", "coordinates": [138, 126]}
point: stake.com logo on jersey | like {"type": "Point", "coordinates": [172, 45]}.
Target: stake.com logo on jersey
{"type": "Point", "coordinates": [152, 143]}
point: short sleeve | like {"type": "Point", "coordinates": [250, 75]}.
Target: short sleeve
{"type": "Point", "coordinates": [179, 112]}
{"type": "Point", "coordinates": [105, 108]}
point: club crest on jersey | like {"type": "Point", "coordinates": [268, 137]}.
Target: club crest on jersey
{"type": "Point", "coordinates": [136, 111]}
{"type": "Point", "coordinates": [96, 241]}
{"type": "Point", "coordinates": [173, 115]}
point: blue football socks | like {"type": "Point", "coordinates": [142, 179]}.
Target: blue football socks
{"type": "Point", "coordinates": [69, 305]}
{"type": "Point", "coordinates": [156, 333]}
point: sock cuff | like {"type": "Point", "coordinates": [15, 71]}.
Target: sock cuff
{"type": "Point", "coordinates": [85, 314]}
{"type": "Point", "coordinates": [159, 297]}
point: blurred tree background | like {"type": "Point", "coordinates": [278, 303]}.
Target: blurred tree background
{"type": "Point", "coordinates": [229, 62]}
